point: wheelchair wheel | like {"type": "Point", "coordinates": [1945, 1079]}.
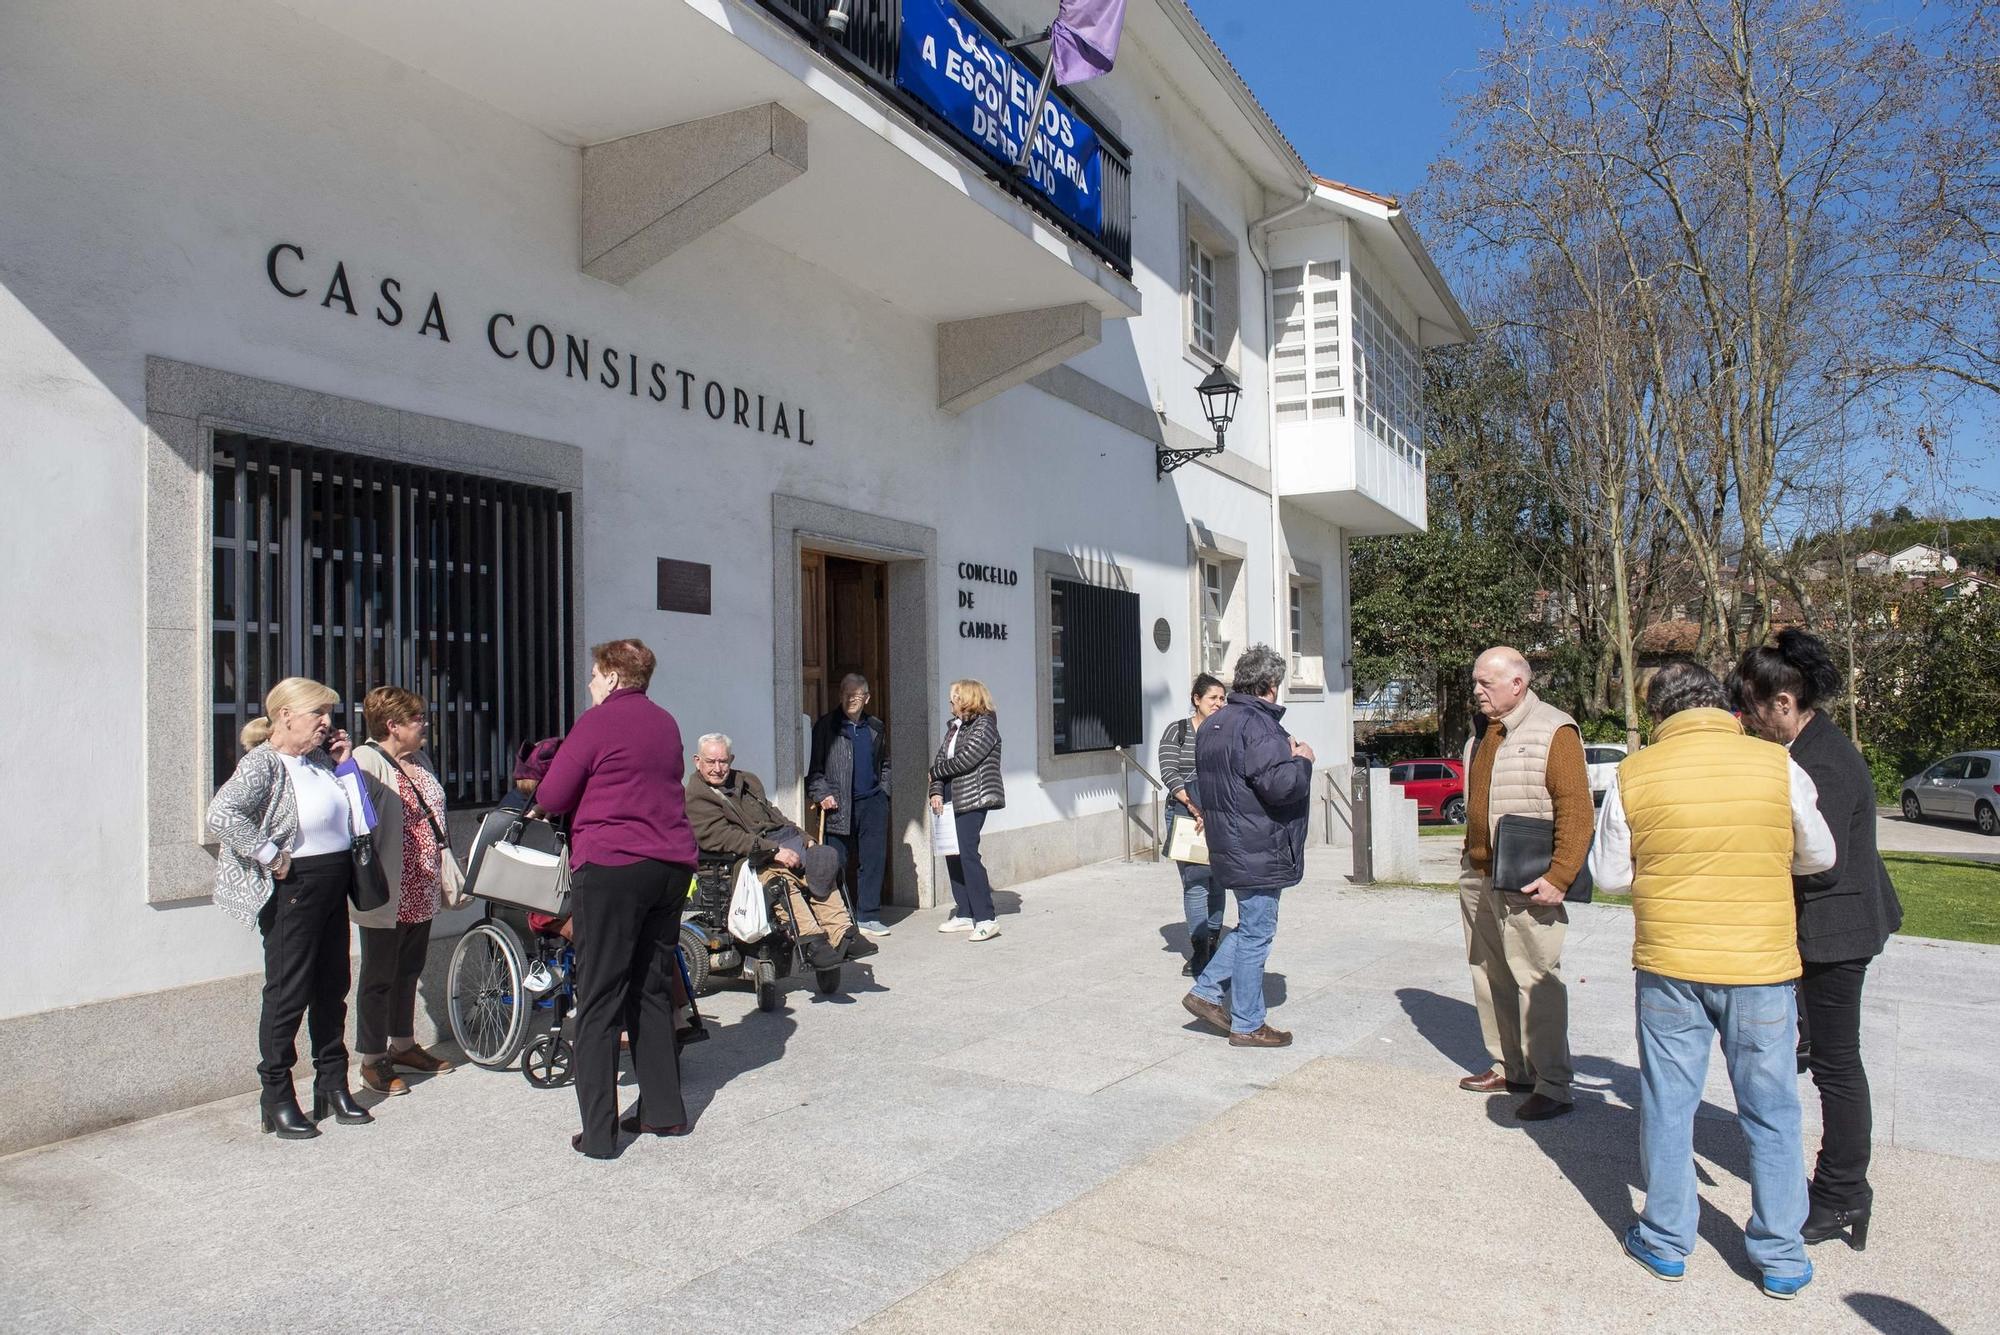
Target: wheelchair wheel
{"type": "Point", "coordinates": [547, 1063]}
{"type": "Point", "coordinates": [767, 986]}
{"type": "Point", "coordinates": [487, 1006]}
{"type": "Point", "coordinates": [694, 954]}
{"type": "Point", "coordinates": [827, 980]}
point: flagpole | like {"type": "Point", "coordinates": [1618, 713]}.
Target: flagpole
{"type": "Point", "coordinates": [1035, 116]}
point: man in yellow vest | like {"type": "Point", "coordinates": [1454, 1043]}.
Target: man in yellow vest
{"type": "Point", "coordinates": [1707, 827]}
{"type": "Point", "coordinates": [1527, 761]}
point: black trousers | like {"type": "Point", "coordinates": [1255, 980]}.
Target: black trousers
{"type": "Point", "coordinates": [1830, 1016]}
{"type": "Point", "coordinates": [626, 922]}
{"type": "Point", "coordinates": [385, 1001]}
{"type": "Point", "coordinates": [305, 975]}
{"type": "Point", "coordinates": [971, 892]}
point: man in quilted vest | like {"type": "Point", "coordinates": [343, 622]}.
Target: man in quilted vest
{"type": "Point", "coordinates": [1707, 827]}
{"type": "Point", "coordinates": [1527, 761]}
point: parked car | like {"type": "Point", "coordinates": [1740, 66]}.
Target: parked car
{"type": "Point", "coordinates": [1437, 786]}
{"type": "Point", "coordinates": [1602, 758]}
{"type": "Point", "coordinates": [1961, 787]}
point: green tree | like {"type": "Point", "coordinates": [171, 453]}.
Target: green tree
{"type": "Point", "coordinates": [1425, 604]}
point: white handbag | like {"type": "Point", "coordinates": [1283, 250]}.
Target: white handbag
{"type": "Point", "coordinates": [749, 915]}
{"type": "Point", "coordinates": [511, 872]}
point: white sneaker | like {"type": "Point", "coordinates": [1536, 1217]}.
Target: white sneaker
{"type": "Point", "coordinates": [985, 931]}
{"type": "Point", "coordinates": [955, 924]}
{"type": "Point", "coordinates": [873, 927]}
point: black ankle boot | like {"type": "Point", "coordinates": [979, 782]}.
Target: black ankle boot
{"type": "Point", "coordinates": [1824, 1223]}
{"type": "Point", "coordinates": [341, 1105]}
{"type": "Point", "coordinates": [1204, 951]}
{"type": "Point", "coordinates": [287, 1121]}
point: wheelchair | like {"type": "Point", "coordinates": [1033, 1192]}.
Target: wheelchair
{"type": "Point", "coordinates": [712, 954]}
{"type": "Point", "coordinates": [504, 976]}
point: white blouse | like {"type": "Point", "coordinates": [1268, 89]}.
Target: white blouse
{"type": "Point", "coordinates": [323, 825]}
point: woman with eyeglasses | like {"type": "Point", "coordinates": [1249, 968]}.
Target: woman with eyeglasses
{"type": "Point", "coordinates": [410, 834]}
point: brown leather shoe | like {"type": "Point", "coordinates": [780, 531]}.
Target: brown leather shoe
{"type": "Point", "coordinates": [1540, 1108]}
{"type": "Point", "coordinates": [1493, 1082]}
{"type": "Point", "coordinates": [416, 1059]}
{"type": "Point", "coordinates": [1263, 1036]}
{"type": "Point", "coordinates": [1214, 1016]}
{"type": "Point", "coordinates": [381, 1077]}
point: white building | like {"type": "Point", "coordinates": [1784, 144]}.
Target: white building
{"type": "Point", "coordinates": [429, 344]}
{"type": "Point", "coordinates": [1921, 559]}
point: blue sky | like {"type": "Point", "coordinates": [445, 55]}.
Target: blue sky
{"type": "Point", "coordinates": [1363, 91]}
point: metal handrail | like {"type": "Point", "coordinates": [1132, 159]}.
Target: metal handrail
{"type": "Point", "coordinates": [1125, 803]}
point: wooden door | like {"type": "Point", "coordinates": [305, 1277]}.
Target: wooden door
{"type": "Point", "coordinates": [818, 692]}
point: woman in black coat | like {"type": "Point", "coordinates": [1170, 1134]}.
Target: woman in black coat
{"type": "Point", "coordinates": [1846, 915]}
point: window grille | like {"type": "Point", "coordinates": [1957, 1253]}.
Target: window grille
{"type": "Point", "coordinates": [362, 572]}
{"type": "Point", "coordinates": [1098, 704]}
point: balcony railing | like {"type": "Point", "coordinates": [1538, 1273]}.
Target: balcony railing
{"type": "Point", "coordinates": [870, 49]}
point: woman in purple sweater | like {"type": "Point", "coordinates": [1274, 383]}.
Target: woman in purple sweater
{"type": "Point", "coordinates": [618, 779]}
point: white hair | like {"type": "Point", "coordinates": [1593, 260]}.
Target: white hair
{"type": "Point", "coordinates": [720, 738]}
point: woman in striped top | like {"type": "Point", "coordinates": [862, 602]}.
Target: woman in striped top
{"type": "Point", "coordinates": [1200, 895]}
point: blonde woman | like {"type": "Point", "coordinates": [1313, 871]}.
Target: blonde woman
{"type": "Point", "coordinates": [396, 937]}
{"type": "Point", "coordinates": [284, 865]}
{"type": "Point", "coordinates": [966, 773]}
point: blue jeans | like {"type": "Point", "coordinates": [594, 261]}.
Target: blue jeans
{"type": "Point", "coordinates": [1758, 1025]}
{"type": "Point", "coordinates": [1240, 961]}
{"type": "Point", "coordinates": [1202, 899]}
{"type": "Point", "coordinates": [866, 848]}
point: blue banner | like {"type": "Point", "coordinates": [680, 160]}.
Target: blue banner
{"type": "Point", "coordinates": [956, 68]}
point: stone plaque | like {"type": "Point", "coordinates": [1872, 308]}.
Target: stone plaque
{"type": "Point", "coordinates": [684, 587]}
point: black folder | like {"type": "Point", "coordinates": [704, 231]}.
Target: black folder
{"type": "Point", "coordinates": [1523, 849]}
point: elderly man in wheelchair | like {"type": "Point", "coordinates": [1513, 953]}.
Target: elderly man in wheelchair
{"type": "Point", "coordinates": [732, 819]}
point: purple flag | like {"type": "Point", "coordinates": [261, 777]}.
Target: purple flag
{"type": "Point", "coordinates": [1083, 41]}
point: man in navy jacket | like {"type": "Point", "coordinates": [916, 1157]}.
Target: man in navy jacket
{"type": "Point", "coordinates": [1256, 782]}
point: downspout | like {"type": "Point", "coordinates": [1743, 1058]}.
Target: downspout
{"type": "Point", "coordinates": [1280, 586]}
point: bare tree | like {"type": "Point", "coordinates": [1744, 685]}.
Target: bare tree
{"type": "Point", "coordinates": [1714, 177]}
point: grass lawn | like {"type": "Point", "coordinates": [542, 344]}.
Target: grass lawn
{"type": "Point", "coordinates": [1943, 897]}
{"type": "Point", "coordinates": [1947, 897]}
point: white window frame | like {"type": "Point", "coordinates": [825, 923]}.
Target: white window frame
{"type": "Point", "coordinates": [1210, 291]}
{"type": "Point", "coordinates": [1307, 350]}
{"type": "Point", "coordinates": [1201, 300]}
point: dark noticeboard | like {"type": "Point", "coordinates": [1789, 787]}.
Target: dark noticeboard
{"type": "Point", "coordinates": [684, 587]}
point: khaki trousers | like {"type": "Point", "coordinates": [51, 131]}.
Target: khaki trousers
{"type": "Point", "coordinates": [817, 917]}
{"type": "Point", "coordinates": [1515, 949]}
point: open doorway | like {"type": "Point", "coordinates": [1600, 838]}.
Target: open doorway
{"type": "Point", "coordinates": [844, 628]}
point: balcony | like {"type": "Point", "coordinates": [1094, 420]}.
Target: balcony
{"type": "Point", "coordinates": [692, 114]}
{"type": "Point", "coordinates": [871, 49]}
{"type": "Point", "coordinates": [1342, 472]}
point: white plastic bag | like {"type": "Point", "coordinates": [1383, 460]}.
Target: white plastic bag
{"type": "Point", "coordinates": [749, 915]}
{"type": "Point", "coordinates": [944, 833]}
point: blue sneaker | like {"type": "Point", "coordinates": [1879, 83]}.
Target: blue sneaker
{"type": "Point", "coordinates": [1787, 1286]}
{"type": "Point", "coordinates": [1659, 1267]}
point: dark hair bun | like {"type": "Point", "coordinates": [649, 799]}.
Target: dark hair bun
{"type": "Point", "coordinates": [1807, 654]}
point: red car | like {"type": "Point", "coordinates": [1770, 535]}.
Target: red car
{"type": "Point", "coordinates": [1436, 786]}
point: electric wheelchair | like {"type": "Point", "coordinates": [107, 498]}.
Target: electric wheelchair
{"type": "Point", "coordinates": [712, 954]}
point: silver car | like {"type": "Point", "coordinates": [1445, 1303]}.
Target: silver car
{"type": "Point", "coordinates": [1961, 787]}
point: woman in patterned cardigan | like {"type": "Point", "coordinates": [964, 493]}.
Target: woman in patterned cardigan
{"type": "Point", "coordinates": [284, 864]}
